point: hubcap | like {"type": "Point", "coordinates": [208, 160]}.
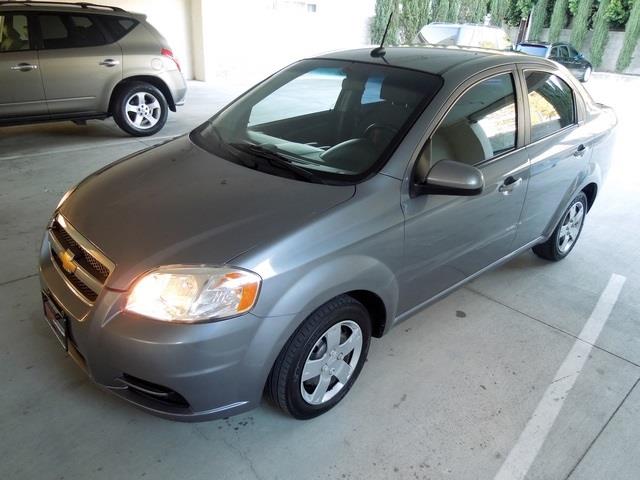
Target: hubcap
{"type": "Point", "coordinates": [331, 362]}
{"type": "Point", "coordinates": [143, 110]}
{"type": "Point", "coordinates": [587, 74]}
{"type": "Point", "coordinates": [570, 228]}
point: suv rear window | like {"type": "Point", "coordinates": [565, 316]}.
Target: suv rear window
{"type": "Point", "coordinates": [118, 26]}
{"type": "Point", "coordinates": [69, 31]}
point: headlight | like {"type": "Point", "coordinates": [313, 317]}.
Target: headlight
{"type": "Point", "coordinates": [192, 294]}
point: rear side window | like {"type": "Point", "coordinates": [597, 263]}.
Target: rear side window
{"type": "Point", "coordinates": [551, 104]}
{"type": "Point", "coordinates": [118, 26]}
{"type": "Point", "coordinates": [70, 31]}
{"type": "Point", "coordinates": [481, 125]}
{"type": "Point", "coordinates": [14, 33]}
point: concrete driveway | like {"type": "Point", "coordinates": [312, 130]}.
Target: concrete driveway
{"type": "Point", "coordinates": [530, 370]}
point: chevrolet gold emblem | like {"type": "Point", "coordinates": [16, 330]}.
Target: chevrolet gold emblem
{"type": "Point", "coordinates": [66, 258]}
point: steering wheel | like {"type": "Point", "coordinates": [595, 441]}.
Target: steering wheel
{"type": "Point", "coordinates": [380, 133]}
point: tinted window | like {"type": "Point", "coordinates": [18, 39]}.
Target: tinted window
{"type": "Point", "coordinates": [14, 33]}
{"type": "Point", "coordinates": [537, 50]}
{"type": "Point", "coordinates": [551, 104]}
{"type": "Point", "coordinates": [480, 126]}
{"type": "Point", "coordinates": [118, 26]}
{"type": "Point", "coordinates": [69, 31]}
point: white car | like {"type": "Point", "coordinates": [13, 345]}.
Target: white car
{"type": "Point", "coordinates": [467, 35]}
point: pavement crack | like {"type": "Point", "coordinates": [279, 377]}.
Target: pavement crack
{"type": "Point", "coordinates": [550, 325]}
{"type": "Point", "coordinates": [244, 457]}
{"type": "Point", "coordinates": [8, 282]}
{"type": "Point", "coordinates": [592, 443]}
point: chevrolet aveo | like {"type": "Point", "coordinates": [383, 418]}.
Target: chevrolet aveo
{"type": "Point", "coordinates": [264, 249]}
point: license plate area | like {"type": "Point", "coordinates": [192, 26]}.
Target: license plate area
{"type": "Point", "coordinates": [56, 319]}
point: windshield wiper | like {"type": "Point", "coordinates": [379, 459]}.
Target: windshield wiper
{"type": "Point", "coordinates": [277, 160]}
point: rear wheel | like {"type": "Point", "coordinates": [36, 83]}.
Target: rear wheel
{"type": "Point", "coordinates": [322, 360]}
{"type": "Point", "coordinates": [140, 109]}
{"type": "Point", "coordinates": [566, 234]}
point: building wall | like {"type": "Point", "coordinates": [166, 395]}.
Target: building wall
{"type": "Point", "coordinates": [253, 38]}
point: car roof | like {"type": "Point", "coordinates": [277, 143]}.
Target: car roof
{"type": "Point", "coordinates": [438, 60]}
{"type": "Point", "coordinates": [42, 6]}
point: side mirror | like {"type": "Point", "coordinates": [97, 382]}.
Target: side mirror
{"type": "Point", "coordinates": [448, 177]}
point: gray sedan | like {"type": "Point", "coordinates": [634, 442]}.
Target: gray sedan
{"type": "Point", "coordinates": [323, 207]}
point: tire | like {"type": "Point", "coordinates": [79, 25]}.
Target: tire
{"type": "Point", "coordinates": [140, 109]}
{"type": "Point", "coordinates": [343, 316]}
{"type": "Point", "coordinates": [566, 234]}
{"type": "Point", "coordinates": [587, 74]}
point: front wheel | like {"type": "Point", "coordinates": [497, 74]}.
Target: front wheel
{"type": "Point", "coordinates": [322, 360]}
{"type": "Point", "coordinates": [587, 74]}
{"type": "Point", "coordinates": [566, 234]}
{"type": "Point", "coordinates": [140, 109]}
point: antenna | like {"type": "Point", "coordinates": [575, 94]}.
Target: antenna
{"type": "Point", "coordinates": [380, 51]}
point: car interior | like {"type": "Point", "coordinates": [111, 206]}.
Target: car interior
{"type": "Point", "coordinates": [11, 39]}
{"type": "Point", "coordinates": [368, 114]}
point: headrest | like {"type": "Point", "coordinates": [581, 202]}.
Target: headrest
{"type": "Point", "coordinates": [398, 89]}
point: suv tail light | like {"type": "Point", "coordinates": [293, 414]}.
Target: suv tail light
{"type": "Point", "coordinates": [165, 52]}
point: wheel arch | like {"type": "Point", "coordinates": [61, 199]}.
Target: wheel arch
{"type": "Point", "coordinates": [591, 191]}
{"type": "Point", "coordinates": [150, 79]}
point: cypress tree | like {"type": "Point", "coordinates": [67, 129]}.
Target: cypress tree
{"type": "Point", "coordinates": [600, 33]}
{"type": "Point", "coordinates": [558, 20]}
{"type": "Point", "coordinates": [631, 36]}
{"type": "Point", "coordinates": [537, 19]}
{"type": "Point", "coordinates": [498, 10]}
{"type": "Point", "coordinates": [581, 23]}
{"type": "Point", "coordinates": [442, 11]}
{"type": "Point", "coordinates": [383, 9]}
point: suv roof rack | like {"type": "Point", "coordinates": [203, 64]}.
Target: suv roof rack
{"type": "Point", "coordinates": [30, 3]}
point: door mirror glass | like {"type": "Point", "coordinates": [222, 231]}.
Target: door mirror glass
{"type": "Point", "coordinates": [448, 177]}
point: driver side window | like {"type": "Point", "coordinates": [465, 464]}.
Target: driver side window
{"type": "Point", "coordinates": [481, 125]}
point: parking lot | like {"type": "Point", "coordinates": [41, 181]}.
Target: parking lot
{"type": "Point", "coordinates": [450, 393]}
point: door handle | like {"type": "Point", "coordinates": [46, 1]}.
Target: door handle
{"type": "Point", "coordinates": [110, 62]}
{"type": "Point", "coordinates": [509, 184]}
{"type": "Point", "coordinates": [24, 67]}
{"type": "Point", "coordinates": [580, 151]}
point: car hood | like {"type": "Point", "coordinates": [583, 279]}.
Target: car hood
{"type": "Point", "coordinates": [179, 204]}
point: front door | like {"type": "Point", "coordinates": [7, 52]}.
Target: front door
{"type": "Point", "coordinates": [448, 238]}
{"type": "Point", "coordinates": [559, 150]}
{"type": "Point", "coordinates": [21, 92]}
{"type": "Point", "coordinates": [79, 66]}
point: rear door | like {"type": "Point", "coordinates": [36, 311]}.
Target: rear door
{"type": "Point", "coordinates": [21, 91]}
{"type": "Point", "coordinates": [79, 62]}
{"type": "Point", "coordinates": [448, 238]}
{"type": "Point", "coordinates": [558, 146]}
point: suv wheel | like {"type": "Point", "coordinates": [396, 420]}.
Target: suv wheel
{"type": "Point", "coordinates": [140, 109]}
{"type": "Point", "coordinates": [566, 234]}
{"type": "Point", "coordinates": [322, 360]}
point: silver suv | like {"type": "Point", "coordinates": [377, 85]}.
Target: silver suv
{"type": "Point", "coordinates": [80, 61]}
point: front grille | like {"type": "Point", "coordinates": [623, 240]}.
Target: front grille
{"type": "Point", "coordinates": [78, 284]}
{"type": "Point", "coordinates": [82, 256]}
{"type": "Point", "coordinates": [83, 266]}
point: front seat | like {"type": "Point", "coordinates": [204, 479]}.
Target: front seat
{"type": "Point", "coordinates": [11, 40]}
{"type": "Point", "coordinates": [399, 100]}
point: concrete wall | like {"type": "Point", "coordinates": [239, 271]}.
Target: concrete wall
{"type": "Point", "coordinates": [611, 52]}
{"type": "Point", "coordinates": [172, 18]}
{"type": "Point", "coordinates": [253, 38]}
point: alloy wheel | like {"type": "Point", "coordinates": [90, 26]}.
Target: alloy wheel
{"type": "Point", "coordinates": [331, 362]}
{"type": "Point", "coordinates": [143, 110]}
{"type": "Point", "coordinates": [570, 228]}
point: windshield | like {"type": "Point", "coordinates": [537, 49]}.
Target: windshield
{"type": "Point", "coordinates": [440, 34]}
{"type": "Point", "coordinates": [537, 50]}
{"type": "Point", "coordinates": [325, 121]}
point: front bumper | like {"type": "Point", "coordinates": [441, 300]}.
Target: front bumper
{"type": "Point", "coordinates": [186, 372]}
